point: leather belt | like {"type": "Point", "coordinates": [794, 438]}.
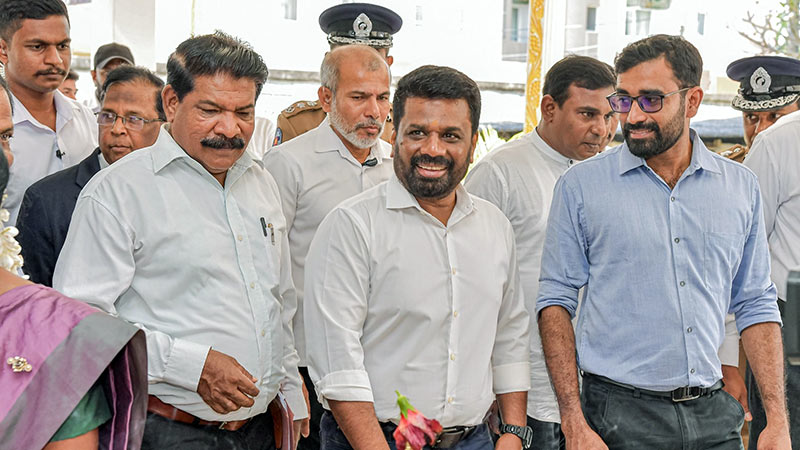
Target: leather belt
{"type": "Point", "coordinates": [681, 394]}
{"type": "Point", "coordinates": [156, 406]}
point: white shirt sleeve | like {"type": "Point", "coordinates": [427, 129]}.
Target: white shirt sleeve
{"type": "Point", "coordinates": [96, 265]}
{"type": "Point", "coordinates": [336, 302]}
{"type": "Point", "coordinates": [486, 181]}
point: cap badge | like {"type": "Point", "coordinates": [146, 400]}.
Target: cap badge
{"type": "Point", "coordinates": [362, 26]}
{"type": "Point", "coordinates": [760, 81]}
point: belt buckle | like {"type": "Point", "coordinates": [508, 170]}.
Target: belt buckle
{"type": "Point", "coordinates": [684, 394]}
{"type": "Point", "coordinates": [448, 439]}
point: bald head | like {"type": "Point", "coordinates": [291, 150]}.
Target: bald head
{"type": "Point", "coordinates": [366, 58]}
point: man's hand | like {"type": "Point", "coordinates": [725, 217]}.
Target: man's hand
{"type": "Point", "coordinates": [301, 428]}
{"type": "Point", "coordinates": [224, 384]}
{"type": "Point", "coordinates": [508, 441]}
{"type": "Point", "coordinates": [581, 437]}
{"type": "Point", "coordinates": [774, 437]}
{"type": "Point", "coordinates": [734, 385]}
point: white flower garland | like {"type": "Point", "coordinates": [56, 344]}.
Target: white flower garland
{"type": "Point", "coordinates": [10, 258]}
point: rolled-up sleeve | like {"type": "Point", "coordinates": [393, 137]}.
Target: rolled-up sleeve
{"type": "Point", "coordinates": [754, 298]}
{"type": "Point", "coordinates": [335, 302]}
{"type": "Point", "coordinates": [565, 266]}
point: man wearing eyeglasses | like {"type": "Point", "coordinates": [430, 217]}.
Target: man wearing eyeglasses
{"type": "Point", "coordinates": [129, 119]}
{"type": "Point", "coordinates": [666, 237]}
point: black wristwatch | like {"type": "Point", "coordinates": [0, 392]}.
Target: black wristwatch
{"type": "Point", "coordinates": [524, 433]}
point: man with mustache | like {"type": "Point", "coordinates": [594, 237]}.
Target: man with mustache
{"type": "Point", "coordinates": [53, 132]}
{"type": "Point", "coordinates": [187, 240]}
{"type": "Point", "coordinates": [413, 286]}
{"type": "Point", "coordinates": [129, 119]}
{"type": "Point", "coordinates": [666, 237]}
{"type": "Point", "coordinates": [519, 177]}
{"type": "Point", "coordinates": [342, 157]}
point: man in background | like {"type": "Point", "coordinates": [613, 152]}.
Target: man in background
{"type": "Point", "coordinates": [68, 87]}
{"type": "Point", "coordinates": [107, 58]}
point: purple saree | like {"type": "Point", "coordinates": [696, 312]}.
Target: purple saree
{"type": "Point", "coordinates": [68, 345]}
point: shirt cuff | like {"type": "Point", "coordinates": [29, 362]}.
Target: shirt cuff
{"type": "Point", "coordinates": [297, 402]}
{"type": "Point", "coordinates": [185, 364]}
{"type": "Point", "coordinates": [515, 377]}
{"type": "Point", "coordinates": [346, 386]}
{"type": "Point", "coordinates": [773, 315]}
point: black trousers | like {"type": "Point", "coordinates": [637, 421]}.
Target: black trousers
{"type": "Point", "coordinates": [315, 414]}
{"type": "Point", "coordinates": [165, 434]}
{"type": "Point", "coordinates": [546, 435]}
{"type": "Point", "coordinates": [627, 421]}
{"type": "Point", "coordinates": [757, 406]}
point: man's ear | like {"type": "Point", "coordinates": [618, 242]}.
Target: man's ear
{"type": "Point", "coordinates": [3, 51]}
{"type": "Point", "coordinates": [325, 98]}
{"type": "Point", "coordinates": [472, 151]}
{"type": "Point", "coordinates": [94, 76]}
{"type": "Point", "coordinates": [548, 108]}
{"type": "Point", "coordinates": [169, 99]}
{"type": "Point", "coordinates": [694, 97]}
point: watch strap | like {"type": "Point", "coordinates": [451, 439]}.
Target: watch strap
{"type": "Point", "coordinates": [525, 434]}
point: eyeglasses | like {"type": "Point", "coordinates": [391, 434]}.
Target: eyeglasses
{"type": "Point", "coordinates": [648, 103]}
{"type": "Point", "coordinates": [135, 123]}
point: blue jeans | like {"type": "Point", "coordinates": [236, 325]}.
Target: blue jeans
{"type": "Point", "coordinates": [546, 435]}
{"type": "Point", "coordinates": [161, 434]}
{"type": "Point", "coordinates": [333, 437]}
{"type": "Point", "coordinates": [627, 420]}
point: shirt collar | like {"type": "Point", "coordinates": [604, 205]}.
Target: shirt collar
{"type": "Point", "coordinates": [64, 111]}
{"type": "Point", "coordinates": [329, 141]}
{"type": "Point", "coordinates": [548, 151]}
{"type": "Point", "coordinates": [398, 197]}
{"type": "Point", "coordinates": [701, 157]}
{"type": "Point", "coordinates": [168, 150]}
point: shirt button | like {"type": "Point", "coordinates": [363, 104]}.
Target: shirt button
{"type": "Point", "coordinates": [455, 313]}
{"type": "Point", "coordinates": [453, 271]}
{"type": "Point", "coordinates": [450, 399]}
{"type": "Point", "coordinates": [239, 237]}
{"type": "Point", "coordinates": [691, 371]}
{"type": "Point", "coordinates": [677, 240]}
{"type": "Point", "coordinates": [689, 330]}
{"type": "Point", "coordinates": [452, 356]}
{"type": "Point", "coordinates": [683, 283]}
{"type": "Point", "coordinates": [252, 285]}
{"type": "Point", "coordinates": [263, 333]}
{"type": "Point", "coordinates": [672, 199]}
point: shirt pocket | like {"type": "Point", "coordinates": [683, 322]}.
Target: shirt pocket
{"type": "Point", "coordinates": [722, 255]}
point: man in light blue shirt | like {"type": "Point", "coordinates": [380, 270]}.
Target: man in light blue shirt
{"type": "Point", "coordinates": [666, 237]}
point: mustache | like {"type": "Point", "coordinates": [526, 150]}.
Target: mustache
{"type": "Point", "coordinates": [222, 142]}
{"type": "Point", "coordinates": [368, 123]}
{"type": "Point", "coordinates": [55, 71]}
{"type": "Point", "coordinates": [431, 160]}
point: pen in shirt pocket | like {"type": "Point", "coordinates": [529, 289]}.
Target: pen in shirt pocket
{"type": "Point", "coordinates": [268, 226]}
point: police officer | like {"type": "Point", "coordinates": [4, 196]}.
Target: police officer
{"type": "Point", "coordinates": [770, 88]}
{"type": "Point", "coordinates": [345, 24]}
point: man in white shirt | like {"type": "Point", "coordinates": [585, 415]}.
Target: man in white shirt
{"type": "Point", "coordinates": [413, 286]}
{"type": "Point", "coordinates": [187, 240]}
{"type": "Point", "coordinates": [51, 131]}
{"type": "Point", "coordinates": [342, 157]}
{"type": "Point", "coordinates": [776, 161]}
{"type": "Point", "coordinates": [519, 178]}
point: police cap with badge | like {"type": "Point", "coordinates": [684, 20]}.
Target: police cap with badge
{"type": "Point", "coordinates": [360, 23]}
{"type": "Point", "coordinates": [767, 82]}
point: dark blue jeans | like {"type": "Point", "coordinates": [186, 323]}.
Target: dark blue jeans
{"type": "Point", "coordinates": [333, 437]}
{"type": "Point", "coordinates": [312, 441]}
{"type": "Point", "coordinates": [627, 421]}
{"type": "Point", "coordinates": [165, 434]}
{"type": "Point", "coordinates": [757, 406]}
{"type": "Point", "coordinates": [546, 435]}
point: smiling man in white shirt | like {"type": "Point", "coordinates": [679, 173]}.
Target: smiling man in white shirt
{"type": "Point", "coordinates": [342, 157]}
{"type": "Point", "coordinates": [51, 131]}
{"type": "Point", "coordinates": [413, 286]}
{"type": "Point", "coordinates": [186, 239]}
{"type": "Point", "coordinates": [519, 178]}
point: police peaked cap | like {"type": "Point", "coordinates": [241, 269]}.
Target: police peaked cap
{"type": "Point", "coordinates": [766, 82]}
{"type": "Point", "coordinates": [360, 23]}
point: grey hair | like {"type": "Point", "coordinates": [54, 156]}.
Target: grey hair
{"type": "Point", "coordinates": [329, 70]}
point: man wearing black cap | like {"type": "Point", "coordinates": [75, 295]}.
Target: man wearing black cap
{"type": "Point", "coordinates": [770, 89]}
{"type": "Point", "coordinates": [345, 24]}
{"type": "Point", "coordinates": [107, 58]}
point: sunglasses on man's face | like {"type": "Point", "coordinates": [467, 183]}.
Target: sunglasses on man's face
{"type": "Point", "coordinates": [649, 103]}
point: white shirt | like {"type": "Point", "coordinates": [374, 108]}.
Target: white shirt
{"type": "Point", "coordinates": [402, 302]}
{"type": "Point", "coordinates": [519, 177]}
{"type": "Point", "coordinates": [35, 146]}
{"type": "Point", "coordinates": [315, 172]}
{"type": "Point", "coordinates": [263, 135]}
{"type": "Point", "coordinates": [156, 240]}
{"type": "Point", "coordinates": [775, 158]}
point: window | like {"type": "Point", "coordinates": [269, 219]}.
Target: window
{"type": "Point", "coordinates": [642, 22]}
{"type": "Point", "coordinates": [516, 20]}
{"type": "Point", "coordinates": [591, 18]}
{"type": "Point", "coordinates": [419, 14]}
{"type": "Point", "coordinates": [289, 9]}
{"type": "Point", "coordinates": [519, 21]}
{"type": "Point", "coordinates": [701, 23]}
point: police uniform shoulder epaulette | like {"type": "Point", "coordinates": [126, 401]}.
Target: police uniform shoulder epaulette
{"type": "Point", "coordinates": [298, 107]}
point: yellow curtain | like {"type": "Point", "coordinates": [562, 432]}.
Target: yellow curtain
{"type": "Point", "coordinates": [533, 85]}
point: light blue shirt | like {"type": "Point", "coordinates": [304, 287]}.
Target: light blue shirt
{"type": "Point", "coordinates": [661, 267]}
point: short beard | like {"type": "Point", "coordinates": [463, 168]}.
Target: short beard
{"type": "Point", "coordinates": [661, 141]}
{"type": "Point", "coordinates": [428, 188]}
{"type": "Point", "coordinates": [351, 132]}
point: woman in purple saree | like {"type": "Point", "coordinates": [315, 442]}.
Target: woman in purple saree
{"type": "Point", "coordinates": [72, 377]}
